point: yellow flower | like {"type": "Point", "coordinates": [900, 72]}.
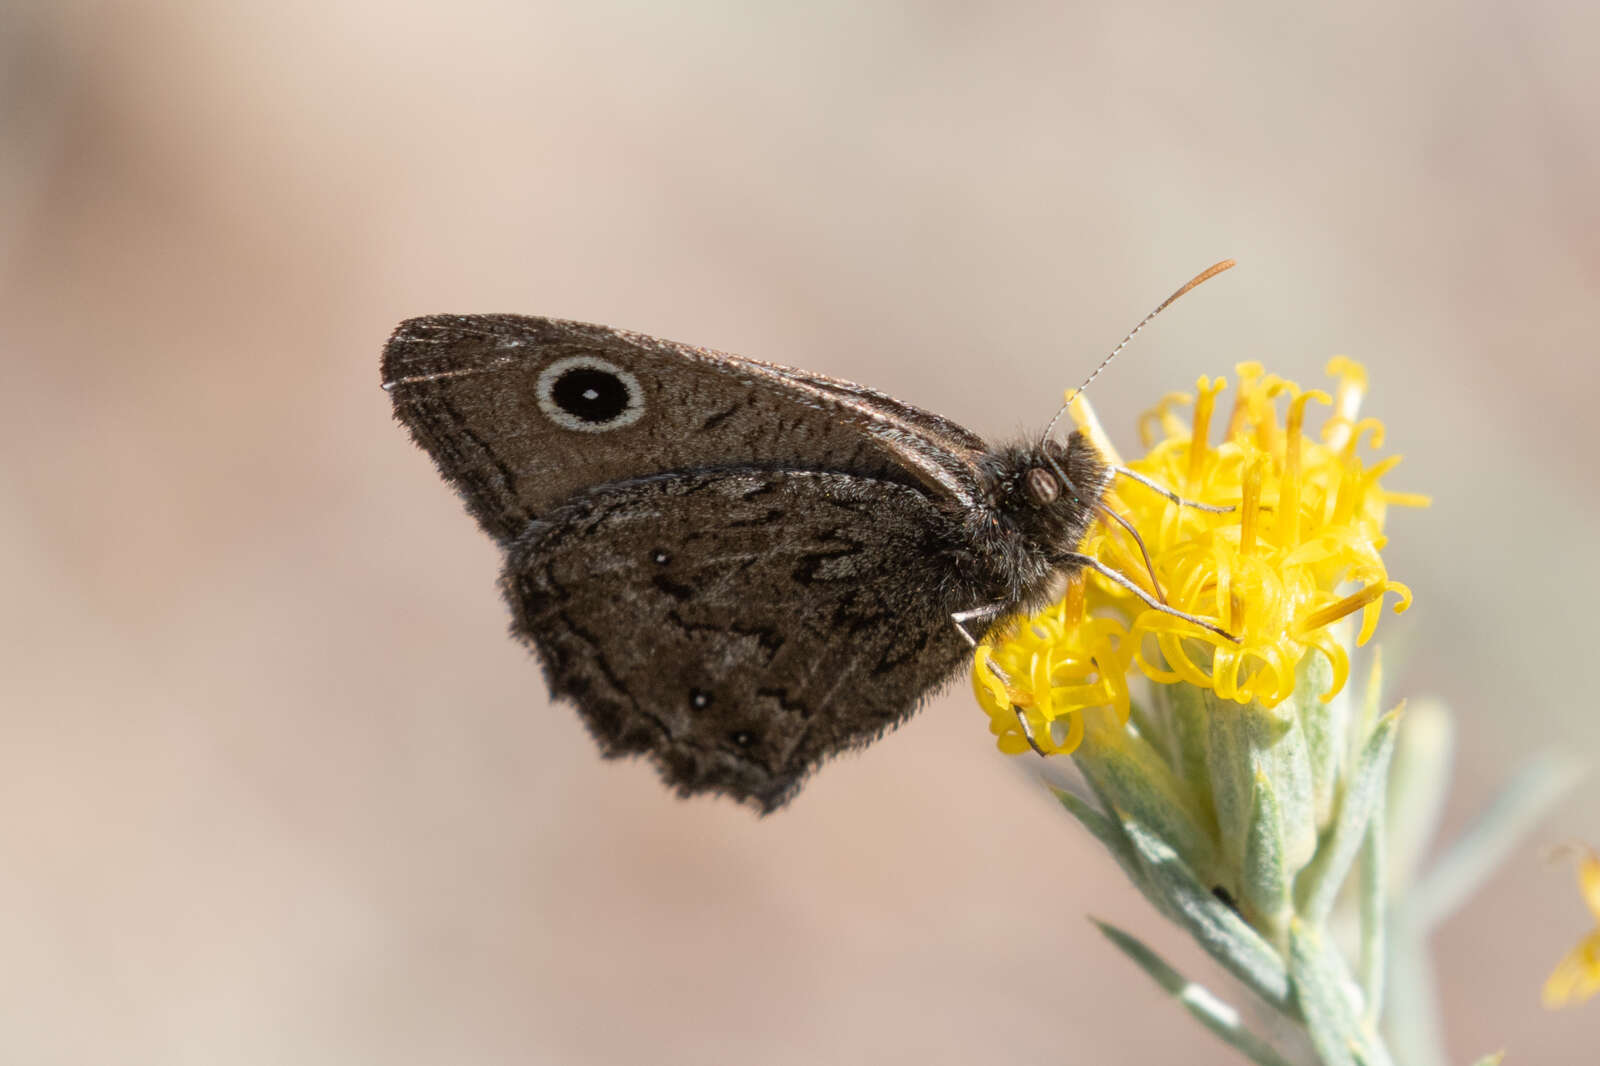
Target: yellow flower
{"type": "Point", "coordinates": [1296, 550]}
{"type": "Point", "coordinates": [1061, 661]}
{"type": "Point", "coordinates": [1577, 977]}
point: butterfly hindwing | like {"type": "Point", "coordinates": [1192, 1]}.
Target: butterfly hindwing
{"type": "Point", "coordinates": [740, 625]}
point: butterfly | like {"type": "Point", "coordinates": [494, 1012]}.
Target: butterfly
{"type": "Point", "coordinates": [735, 568]}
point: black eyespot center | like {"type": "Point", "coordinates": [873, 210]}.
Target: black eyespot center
{"type": "Point", "coordinates": [660, 558]}
{"type": "Point", "coordinates": [699, 699]}
{"type": "Point", "coordinates": [742, 737]}
{"type": "Point", "coordinates": [589, 393]}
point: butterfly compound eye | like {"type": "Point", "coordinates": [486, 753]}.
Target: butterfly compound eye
{"type": "Point", "coordinates": [1043, 488]}
{"type": "Point", "coordinates": [589, 394]}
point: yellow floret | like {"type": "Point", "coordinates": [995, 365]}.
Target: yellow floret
{"type": "Point", "coordinates": [1298, 551]}
{"type": "Point", "coordinates": [1577, 976]}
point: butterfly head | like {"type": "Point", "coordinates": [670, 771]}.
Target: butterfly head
{"type": "Point", "coordinates": [1042, 496]}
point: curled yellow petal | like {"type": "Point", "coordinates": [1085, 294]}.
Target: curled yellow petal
{"type": "Point", "coordinates": [1577, 976]}
{"type": "Point", "coordinates": [1589, 883]}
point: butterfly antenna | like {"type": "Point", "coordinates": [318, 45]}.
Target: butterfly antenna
{"type": "Point", "coordinates": [1205, 275]}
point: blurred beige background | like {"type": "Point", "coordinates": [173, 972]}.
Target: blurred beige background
{"type": "Point", "coordinates": [278, 788]}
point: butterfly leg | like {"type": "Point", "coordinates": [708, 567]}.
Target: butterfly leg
{"type": "Point", "coordinates": [960, 618]}
{"type": "Point", "coordinates": [1149, 601]}
{"type": "Point", "coordinates": [1149, 567]}
{"type": "Point", "coordinates": [1027, 733]}
{"type": "Point", "coordinates": [1162, 490]}
{"type": "Point", "coordinates": [1022, 719]}
{"type": "Point", "coordinates": [976, 614]}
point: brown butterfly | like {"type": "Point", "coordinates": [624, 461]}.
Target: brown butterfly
{"type": "Point", "coordinates": [736, 568]}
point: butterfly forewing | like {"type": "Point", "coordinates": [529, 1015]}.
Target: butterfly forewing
{"type": "Point", "coordinates": [483, 394]}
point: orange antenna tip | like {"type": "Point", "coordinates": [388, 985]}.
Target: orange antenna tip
{"type": "Point", "coordinates": [1205, 275]}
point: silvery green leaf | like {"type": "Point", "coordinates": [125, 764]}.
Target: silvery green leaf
{"type": "Point", "coordinates": [1190, 710]}
{"type": "Point", "coordinates": [1149, 723]}
{"type": "Point", "coordinates": [1524, 800]}
{"type": "Point", "coordinates": [1138, 873]}
{"type": "Point", "coordinates": [1217, 927]}
{"type": "Point", "coordinates": [1325, 728]}
{"type": "Point", "coordinates": [1132, 779]}
{"type": "Point", "coordinates": [1328, 1001]}
{"type": "Point", "coordinates": [1106, 831]}
{"type": "Point", "coordinates": [1210, 1011]}
{"type": "Point", "coordinates": [1374, 899]}
{"type": "Point", "coordinates": [1245, 742]}
{"type": "Point", "coordinates": [1319, 883]}
{"type": "Point", "coordinates": [1329, 1017]}
{"type": "Point", "coordinates": [1264, 880]}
